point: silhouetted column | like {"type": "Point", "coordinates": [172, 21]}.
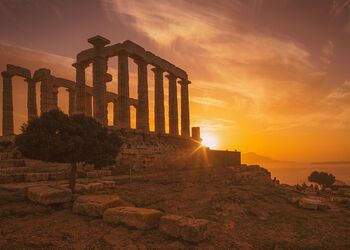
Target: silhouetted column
{"type": "Point", "coordinates": [185, 109]}
{"type": "Point", "coordinates": [159, 117]}
{"type": "Point", "coordinates": [173, 113]}
{"type": "Point", "coordinates": [54, 100]}
{"type": "Point", "coordinates": [99, 69]}
{"type": "Point", "coordinates": [46, 92]}
{"type": "Point", "coordinates": [88, 105]}
{"type": "Point", "coordinates": [142, 112]}
{"type": "Point", "coordinates": [115, 113]}
{"type": "Point", "coordinates": [31, 99]}
{"type": "Point", "coordinates": [71, 96]}
{"type": "Point", "coordinates": [123, 115]}
{"type": "Point", "coordinates": [7, 105]}
{"type": "Point", "coordinates": [80, 93]}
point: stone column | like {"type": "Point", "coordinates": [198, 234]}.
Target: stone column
{"type": "Point", "coordinates": [115, 113]}
{"type": "Point", "coordinates": [123, 115]}
{"type": "Point", "coordinates": [185, 108]}
{"type": "Point", "coordinates": [7, 105]}
{"type": "Point", "coordinates": [54, 103]}
{"type": "Point", "coordinates": [88, 105]}
{"type": "Point", "coordinates": [159, 117]}
{"type": "Point", "coordinates": [99, 69]}
{"type": "Point", "coordinates": [80, 93]}
{"type": "Point", "coordinates": [45, 95]}
{"type": "Point", "coordinates": [72, 103]}
{"type": "Point", "coordinates": [142, 112]}
{"type": "Point", "coordinates": [173, 112]}
{"type": "Point", "coordinates": [31, 99]}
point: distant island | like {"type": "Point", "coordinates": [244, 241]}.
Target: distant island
{"type": "Point", "coordinates": [330, 162]}
{"type": "Point", "coordinates": [253, 158]}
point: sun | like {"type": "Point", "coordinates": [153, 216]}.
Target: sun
{"type": "Point", "coordinates": [209, 140]}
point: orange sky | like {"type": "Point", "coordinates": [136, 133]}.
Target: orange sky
{"type": "Point", "coordinates": [266, 77]}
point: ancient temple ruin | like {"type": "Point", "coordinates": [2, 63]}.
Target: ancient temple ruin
{"type": "Point", "coordinates": [80, 95]}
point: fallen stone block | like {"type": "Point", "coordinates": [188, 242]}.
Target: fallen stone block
{"type": "Point", "coordinates": [140, 218]}
{"type": "Point", "coordinates": [312, 203]}
{"type": "Point", "coordinates": [95, 205]}
{"type": "Point", "coordinates": [188, 229]}
{"type": "Point", "coordinates": [47, 195]}
{"type": "Point", "coordinates": [31, 177]}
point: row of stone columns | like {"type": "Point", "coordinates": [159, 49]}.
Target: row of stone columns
{"type": "Point", "coordinates": [121, 106]}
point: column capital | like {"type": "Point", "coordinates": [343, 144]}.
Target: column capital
{"type": "Point", "coordinates": [80, 65]}
{"type": "Point", "coordinates": [123, 53]}
{"type": "Point", "coordinates": [140, 61]}
{"type": "Point", "coordinates": [171, 76]}
{"type": "Point", "coordinates": [157, 69]}
{"type": "Point", "coordinates": [6, 74]}
{"type": "Point", "coordinates": [184, 81]}
{"type": "Point", "coordinates": [99, 41]}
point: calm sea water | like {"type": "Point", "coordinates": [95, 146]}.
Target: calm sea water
{"type": "Point", "coordinates": [294, 173]}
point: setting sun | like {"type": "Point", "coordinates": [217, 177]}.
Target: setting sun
{"type": "Point", "coordinates": [209, 140]}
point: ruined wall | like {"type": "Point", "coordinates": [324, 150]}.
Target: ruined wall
{"type": "Point", "coordinates": [147, 152]}
{"type": "Point", "coordinates": [144, 151]}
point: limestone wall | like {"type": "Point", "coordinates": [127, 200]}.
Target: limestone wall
{"type": "Point", "coordinates": [144, 151]}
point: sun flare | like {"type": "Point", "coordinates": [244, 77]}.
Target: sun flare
{"type": "Point", "coordinates": [209, 140]}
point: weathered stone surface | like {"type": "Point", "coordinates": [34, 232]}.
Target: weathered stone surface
{"type": "Point", "coordinates": [140, 218]}
{"type": "Point", "coordinates": [95, 205]}
{"type": "Point", "coordinates": [31, 177]}
{"type": "Point", "coordinates": [47, 195]}
{"type": "Point", "coordinates": [312, 203]}
{"type": "Point", "coordinates": [192, 230]}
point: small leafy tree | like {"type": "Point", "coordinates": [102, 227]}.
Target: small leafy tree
{"type": "Point", "coordinates": [56, 137]}
{"type": "Point", "coordinates": [322, 178]}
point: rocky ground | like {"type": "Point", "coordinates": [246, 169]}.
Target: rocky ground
{"type": "Point", "coordinates": [245, 210]}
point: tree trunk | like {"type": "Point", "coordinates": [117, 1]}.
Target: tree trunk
{"type": "Point", "coordinates": [73, 175]}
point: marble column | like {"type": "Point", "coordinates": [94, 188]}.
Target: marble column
{"type": "Point", "coordinates": [115, 113]}
{"type": "Point", "coordinates": [45, 95]}
{"type": "Point", "coordinates": [31, 99]}
{"type": "Point", "coordinates": [142, 112]}
{"type": "Point", "coordinates": [99, 70]}
{"type": "Point", "coordinates": [123, 115]}
{"type": "Point", "coordinates": [80, 93]}
{"type": "Point", "coordinates": [7, 105]}
{"type": "Point", "coordinates": [72, 103]}
{"type": "Point", "coordinates": [173, 112]}
{"type": "Point", "coordinates": [88, 105]}
{"type": "Point", "coordinates": [159, 116]}
{"type": "Point", "coordinates": [185, 109]}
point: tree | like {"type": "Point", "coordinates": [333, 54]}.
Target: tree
{"type": "Point", "coordinates": [322, 178]}
{"type": "Point", "coordinates": [56, 137]}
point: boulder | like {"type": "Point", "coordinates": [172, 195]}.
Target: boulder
{"type": "Point", "coordinates": [140, 218]}
{"type": "Point", "coordinates": [188, 229]}
{"type": "Point", "coordinates": [95, 205]}
{"type": "Point", "coordinates": [312, 203]}
{"type": "Point", "coordinates": [47, 195]}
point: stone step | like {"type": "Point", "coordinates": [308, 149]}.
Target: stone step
{"type": "Point", "coordinates": [139, 218]}
{"type": "Point", "coordinates": [188, 229]}
{"type": "Point", "coordinates": [47, 195]}
{"type": "Point", "coordinates": [12, 163]}
{"type": "Point", "coordinates": [95, 205]}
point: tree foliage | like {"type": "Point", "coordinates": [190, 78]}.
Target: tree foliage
{"type": "Point", "coordinates": [322, 178]}
{"type": "Point", "coordinates": [56, 137]}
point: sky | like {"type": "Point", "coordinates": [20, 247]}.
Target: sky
{"type": "Point", "coordinates": [268, 76]}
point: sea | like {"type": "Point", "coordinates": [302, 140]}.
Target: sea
{"type": "Point", "coordinates": [297, 173]}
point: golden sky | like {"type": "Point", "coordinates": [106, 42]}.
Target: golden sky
{"type": "Point", "coordinates": [268, 76]}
